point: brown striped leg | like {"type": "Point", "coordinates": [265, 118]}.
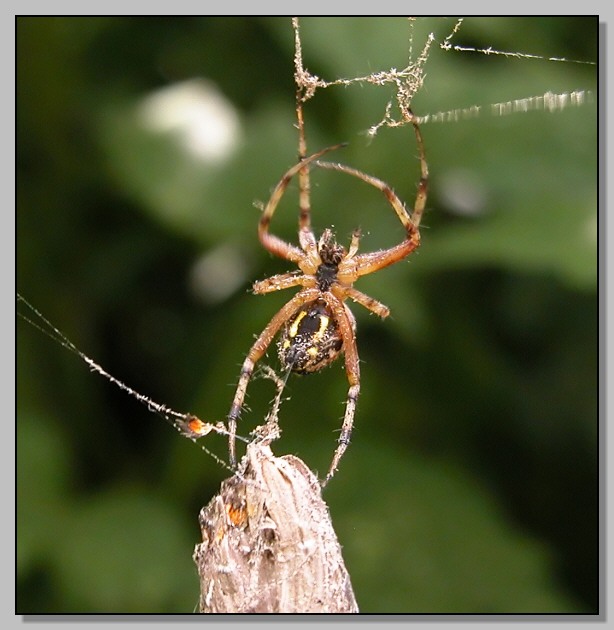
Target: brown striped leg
{"type": "Point", "coordinates": [255, 354]}
{"type": "Point", "coordinates": [347, 326]}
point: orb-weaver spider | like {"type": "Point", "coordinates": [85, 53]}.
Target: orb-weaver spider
{"type": "Point", "coordinates": [317, 324]}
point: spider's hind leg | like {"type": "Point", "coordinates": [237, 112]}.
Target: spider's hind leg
{"type": "Point", "coordinates": [256, 352]}
{"type": "Point", "coordinates": [346, 430]}
{"type": "Point", "coordinates": [347, 326]}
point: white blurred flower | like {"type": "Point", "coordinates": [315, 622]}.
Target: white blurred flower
{"type": "Point", "coordinates": [204, 120]}
{"type": "Point", "coordinates": [218, 274]}
{"type": "Point", "coordinates": [463, 193]}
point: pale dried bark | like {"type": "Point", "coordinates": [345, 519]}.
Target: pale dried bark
{"type": "Point", "coordinates": [268, 543]}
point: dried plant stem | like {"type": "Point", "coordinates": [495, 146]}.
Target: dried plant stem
{"type": "Point", "coordinates": [269, 544]}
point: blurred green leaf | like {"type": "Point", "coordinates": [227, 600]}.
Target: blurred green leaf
{"type": "Point", "coordinates": [42, 477]}
{"type": "Point", "coordinates": [125, 551]}
{"type": "Point", "coordinates": [436, 540]}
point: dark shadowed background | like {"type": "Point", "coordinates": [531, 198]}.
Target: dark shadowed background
{"type": "Point", "coordinates": [470, 485]}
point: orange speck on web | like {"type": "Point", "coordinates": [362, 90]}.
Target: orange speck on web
{"type": "Point", "coordinates": [197, 426]}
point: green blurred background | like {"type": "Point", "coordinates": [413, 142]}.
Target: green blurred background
{"type": "Point", "coordinates": [471, 482]}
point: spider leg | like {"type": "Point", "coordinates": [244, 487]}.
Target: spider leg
{"type": "Point", "coordinates": [354, 242]}
{"type": "Point", "coordinates": [421, 195]}
{"type": "Point", "coordinates": [282, 281]}
{"type": "Point", "coordinates": [363, 264]}
{"type": "Point", "coordinates": [304, 219]}
{"type": "Point", "coordinates": [306, 237]}
{"type": "Point", "coordinates": [275, 244]}
{"type": "Point", "coordinates": [367, 263]}
{"type": "Point", "coordinates": [374, 261]}
{"type": "Point", "coordinates": [368, 302]}
{"type": "Point", "coordinates": [347, 326]}
{"type": "Point", "coordinates": [254, 355]}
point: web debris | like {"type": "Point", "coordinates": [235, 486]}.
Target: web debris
{"type": "Point", "coordinates": [409, 81]}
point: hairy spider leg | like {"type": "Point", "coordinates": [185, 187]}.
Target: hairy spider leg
{"type": "Point", "coordinates": [347, 326]}
{"type": "Point", "coordinates": [255, 354]}
{"type": "Point", "coordinates": [273, 243]}
{"type": "Point", "coordinates": [420, 201]}
{"type": "Point", "coordinates": [373, 261]}
{"type": "Point", "coordinates": [369, 262]}
{"type": "Point", "coordinates": [304, 217]}
{"type": "Point", "coordinates": [367, 301]}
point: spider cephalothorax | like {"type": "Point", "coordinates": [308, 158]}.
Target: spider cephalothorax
{"type": "Point", "coordinates": [316, 324]}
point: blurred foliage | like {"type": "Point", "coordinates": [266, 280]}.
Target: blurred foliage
{"type": "Point", "coordinates": [471, 482]}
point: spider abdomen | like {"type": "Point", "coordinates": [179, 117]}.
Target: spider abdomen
{"type": "Point", "coordinates": [310, 340]}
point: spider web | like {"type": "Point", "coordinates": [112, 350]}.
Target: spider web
{"type": "Point", "coordinates": [409, 81]}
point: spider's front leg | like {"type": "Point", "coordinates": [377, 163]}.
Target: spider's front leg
{"type": "Point", "coordinates": [273, 243]}
{"type": "Point", "coordinates": [256, 352]}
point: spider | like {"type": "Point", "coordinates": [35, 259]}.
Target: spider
{"type": "Point", "coordinates": [316, 324]}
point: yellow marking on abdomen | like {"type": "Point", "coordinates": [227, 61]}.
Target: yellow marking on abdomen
{"type": "Point", "coordinates": [324, 321]}
{"type": "Point", "coordinates": [293, 331]}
